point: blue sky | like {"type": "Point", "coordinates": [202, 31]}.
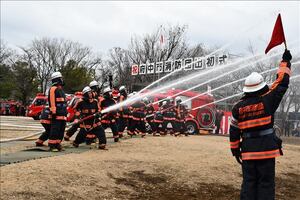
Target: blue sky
{"type": "Point", "coordinates": [103, 25]}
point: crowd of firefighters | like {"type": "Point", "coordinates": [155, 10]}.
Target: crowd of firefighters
{"type": "Point", "coordinates": [139, 117]}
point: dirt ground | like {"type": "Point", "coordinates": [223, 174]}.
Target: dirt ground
{"type": "Point", "coordinates": [159, 168]}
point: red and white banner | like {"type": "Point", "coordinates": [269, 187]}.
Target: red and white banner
{"type": "Point", "coordinates": [134, 70]}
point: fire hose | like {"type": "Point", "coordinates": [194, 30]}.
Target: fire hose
{"type": "Point", "coordinates": [41, 132]}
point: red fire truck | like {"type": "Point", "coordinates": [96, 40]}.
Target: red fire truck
{"type": "Point", "coordinates": [38, 104]}
{"type": "Point", "coordinates": [203, 118]}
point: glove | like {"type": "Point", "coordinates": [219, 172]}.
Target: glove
{"type": "Point", "coordinates": [287, 56]}
{"type": "Point", "coordinates": [97, 115]}
{"type": "Point", "coordinates": [239, 160]}
{"type": "Point", "coordinates": [237, 154]}
{"type": "Point", "coordinates": [279, 143]}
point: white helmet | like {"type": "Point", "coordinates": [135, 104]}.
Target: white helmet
{"type": "Point", "coordinates": [122, 88]}
{"type": "Point", "coordinates": [145, 99]}
{"type": "Point", "coordinates": [164, 103]}
{"type": "Point", "coordinates": [93, 83]}
{"type": "Point", "coordinates": [254, 82]}
{"type": "Point", "coordinates": [177, 99]}
{"type": "Point", "coordinates": [56, 75]}
{"type": "Point", "coordinates": [106, 90]}
{"type": "Point", "coordinates": [86, 90]}
{"type": "Point", "coordinates": [169, 98]}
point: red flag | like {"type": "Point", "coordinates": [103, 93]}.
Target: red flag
{"type": "Point", "coordinates": [277, 35]}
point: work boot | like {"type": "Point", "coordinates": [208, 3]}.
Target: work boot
{"type": "Point", "coordinates": [39, 144]}
{"type": "Point", "coordinates": [75, 145]}
{"type": "Point", "coordinates": [116, 139]}
{"type": "Point", "coordinates": [102, 147]}
{"type": "Point", "coordinates": [59, 147]}
{"type": "Point", "coordinates": [56, 148]}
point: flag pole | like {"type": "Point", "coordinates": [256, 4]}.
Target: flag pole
{"type": "Point", "coordinates": [285, 45]}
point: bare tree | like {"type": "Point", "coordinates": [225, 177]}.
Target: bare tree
{"type": "Point", "coordinates": [149, 49]}
{"type": "Point", "coordinates": [47, 55]}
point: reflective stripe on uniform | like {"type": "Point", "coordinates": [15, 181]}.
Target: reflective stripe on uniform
{"type": "Point", "coordinates": [90, 136]}
{"type": "Point", "coordinates": [54, 141]}
{"type": "Point", "coordinates": [234, 122]}
{"type": "Point", "coordinates": [255, 122]}
{"type": "Point", "coordinates": [138, 119]}
{"type": "Point", "coordinates": [45, 121]}
{"type": "Point", "coordinates": [235, 144]}
{"type": "Point", "coordinates": [260, 155]}
{"type": "Point", "coordinates": [61, 99]}
{"type": "Point", "coordinates": [169, 118]}
{"type": "Point", "coordinates": [52, 99]}
{"type": "Point", "coordinates": [61, 117]}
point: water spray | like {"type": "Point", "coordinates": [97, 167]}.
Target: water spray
{"type": "Point", "coordinates": [216, 78]}
{"type": "Point", "coordinates": [232, 96]}
{"type": "Point", "coordinates": [264, 72]}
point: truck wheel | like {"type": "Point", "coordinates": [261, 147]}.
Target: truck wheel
{"type": "Point", "coordinates": [191, 128]}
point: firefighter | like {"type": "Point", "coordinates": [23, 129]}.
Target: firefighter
{"type": "Point", "coordinates": [45, 120]}
{"type": "Point", "coordinates": [181, 113]}
{"type": "Point", "coordinates": [252, 123]}
{"type": "Point", "coordinates": [129, 112]}
{"type": "Point", "coordinates": [95, 88]}
{"type": "Point", "coordinates": [58, 111]}
{"type": "Point", "coordinates": [89, 128]}
{"type": "Point", "coordinates": [138, 118]}
{"type": "Point", "coordinates": [149, 115]}
{"type": "Point", "coordinates": [124, 112]}
{"type": "Point", "coordinates": [109, 119]}
{"type": "Point", "coordinates": [219, 116]}
{"type": "Point", "coordinates": [168, 113]}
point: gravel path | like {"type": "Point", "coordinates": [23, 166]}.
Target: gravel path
{"type": "Point", "coordinates": [195, 167]}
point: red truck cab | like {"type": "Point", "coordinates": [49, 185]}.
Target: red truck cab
{"type": "Point", "coordinates": [37, 105]}
{"type": "Point", "coordinates": [71, 103]}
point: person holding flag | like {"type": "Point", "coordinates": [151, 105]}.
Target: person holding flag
{"type": "Point", "coordinates": [252, 138]}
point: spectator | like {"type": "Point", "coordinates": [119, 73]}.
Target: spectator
{"type": "Point", "coordinates": [219, 116]}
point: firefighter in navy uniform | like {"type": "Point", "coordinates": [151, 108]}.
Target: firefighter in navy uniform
{"type": "Point", "coordinates": [150, 114]}
{"type": "Point", "coordinates": [181, 113]}
{"type": "Point", "coordinates": [108, 119]}
{"type": "Point", "coordinates": [168, 111]}
{"type": "Point", "coordinates": [252, 122]}
{"type": "Point", "coordinates": [45, 120]}
{"type": "Point", "coordinates": [124, 112]}
{"type": "Point", "coordinates": [89, 128]}
{"type": "Point", "coordinates": [58, 111]}
{"type": "Point", "coordinates": [138, 118]}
